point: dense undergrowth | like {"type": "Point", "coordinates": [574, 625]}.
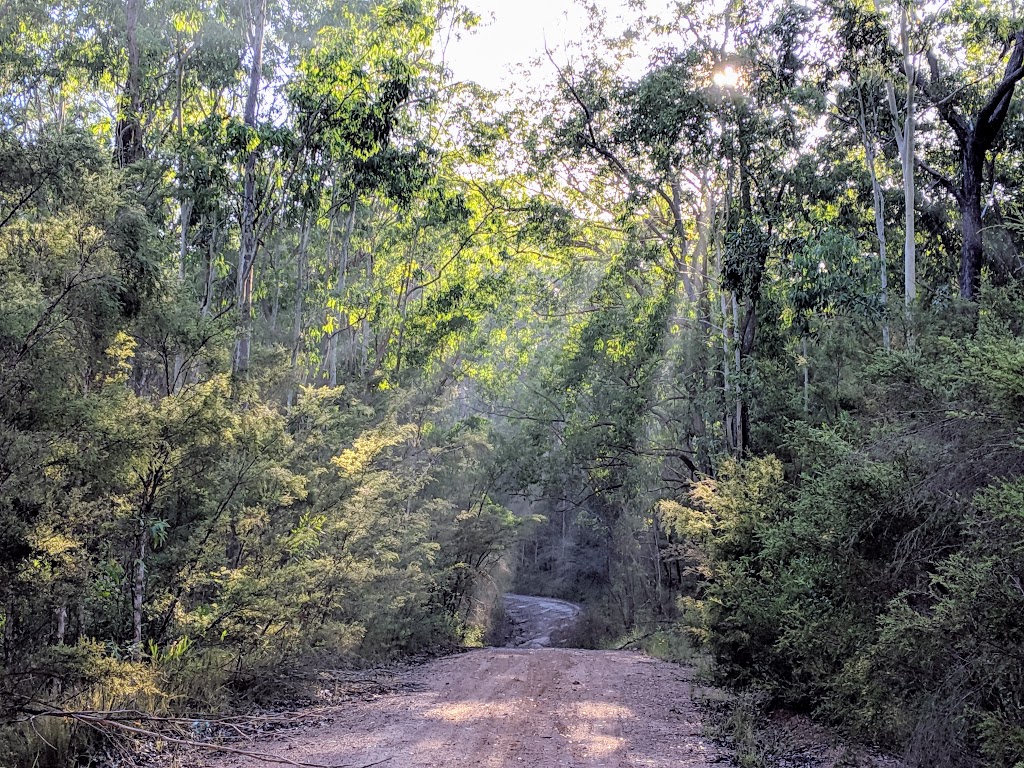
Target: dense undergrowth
{"type": "Point", "coordinates": [869, 571]}
{"type": "Point", "coordinates": [267, 554]}
{"type": "Point", "coordinates": [864, 567]}
{"type": "Point", "coordinates": [216, 480]}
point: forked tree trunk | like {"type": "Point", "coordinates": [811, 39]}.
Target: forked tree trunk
{"type": "Point", "coordinates": [975, 138]}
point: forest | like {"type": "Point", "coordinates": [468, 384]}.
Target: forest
{"type": "Point", "coordinates": [309, 350]}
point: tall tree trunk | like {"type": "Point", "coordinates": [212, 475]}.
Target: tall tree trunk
{"type": "Point", "coordinates": [256, 11]}
{"type": "Point", "coordinates": [300, 296]}
{"type": "Point", "coordinates": [904, 134]}
{"type": "Point", "coordinates": [727, 336]}
{"type": "Point", "coordinates": [972, 254]}
{"type": "Point", "coordinates": [738, 444]}
{"type": "Point", "coordinates": [129, 146]}
{"type": "Point", "coordinates": [300, 293]}
{"type": "Point", "coordinates": [909, 198]}
{"type": "Point", "coordinates": [138, 590]}
{"type": "Point", "coordinates": [402, 307]}
{"type": "Point", "coordinates": [184, 217]}
{"type": "Point", "coordinates": [339, 289]}
{"type": "Point", "coordinates": [365, 329]}
{"type": "Point", "coordinates": [178, 376]}
{"type": "Point", "coordinates": [209, 273]}
{"type": "Point", "coordinates": [904, 130]}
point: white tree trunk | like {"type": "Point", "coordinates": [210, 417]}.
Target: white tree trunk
{"type": "Point", "coordinates": [904, 130]}
{"type": "Point", "coordinates": [62, 622]}
{"type": "Point", "coordinates": [138, 590]}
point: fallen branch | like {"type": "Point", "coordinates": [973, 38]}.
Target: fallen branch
{"type": "Point", "coordinates": [634, 641]}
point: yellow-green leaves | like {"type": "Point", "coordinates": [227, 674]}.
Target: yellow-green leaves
{"type": "Point", "coordinates": [120, 353]}
{"type": "Point", "coordinates": [369, 446]}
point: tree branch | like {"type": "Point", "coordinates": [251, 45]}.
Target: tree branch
{"type": "Point", "coordinates": [948, 112]}
{"type": "Point", "coordinates": [940, 177]}
{"type": "Point", "coordinates": [992, 115]}
{"type": "Point", "coordinates": [111, 721]}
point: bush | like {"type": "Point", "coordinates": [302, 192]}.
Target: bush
{"type": "Point", "coordinates": [876, 580]}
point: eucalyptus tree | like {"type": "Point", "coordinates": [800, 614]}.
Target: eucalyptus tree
{"type": "Point", "coordinates": [863, 55]}
{"type": "Point", "coordinates": [904, 127]}
{"type": "Point", "coordinates": [975, 104]}
{"type": "Point", "coordinates": [362, 105]}
{"type": "Point", "coordinates": [255, 16]}
{"type": "Point", "coordinates": [770, 71]}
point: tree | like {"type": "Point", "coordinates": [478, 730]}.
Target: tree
{"type": "Point", "coordinates": [904, 131]}
{"type": "Point", "coordinates": [130, 145]}
{"type": "Point", "coordinates": [975, 136]}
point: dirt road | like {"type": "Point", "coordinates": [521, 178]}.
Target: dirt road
{"type": "Point", "coordinates": [529, 707]}
{"type": "Point", "coordinates": [539, 622]}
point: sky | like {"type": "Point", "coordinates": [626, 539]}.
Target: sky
{"type": "Point", "coordinates": [511, 33]}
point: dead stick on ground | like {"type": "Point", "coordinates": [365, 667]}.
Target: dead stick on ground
{"type": "Point", "coordinates": [135, 715]}
{"type": "Point", "coordinates": [634, 641]}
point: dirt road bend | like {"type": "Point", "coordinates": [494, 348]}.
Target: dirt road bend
{"type": "Point", "coordinates": [525, 706]}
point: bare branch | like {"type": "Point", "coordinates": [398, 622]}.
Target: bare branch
{"type": "Point", "coordinates": [948, 112]}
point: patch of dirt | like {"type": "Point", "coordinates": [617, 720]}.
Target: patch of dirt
{"type": "Point", "coordinates": [530, 705]}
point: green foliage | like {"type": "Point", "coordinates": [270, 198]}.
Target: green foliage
{"type": "Point", "coordinates": [874, 583]}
